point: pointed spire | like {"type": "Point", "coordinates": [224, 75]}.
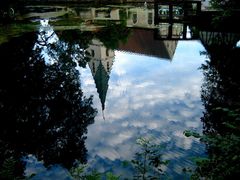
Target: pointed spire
{"type": "Point", "coordinates": [100, 65]}
{"type": "Point", "coordinates": [103, 114]}
{"type": "Point", "coordinates": [101, 80]}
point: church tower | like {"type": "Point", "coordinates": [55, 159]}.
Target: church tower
{"type": "Point", "coordinates": [101, 61]}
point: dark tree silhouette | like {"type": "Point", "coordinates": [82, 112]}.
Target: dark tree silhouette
{"type": "Point", "coordinates": [42, 107]}
{"type": "Point", "coordinates": [221, 99]}
{"type": "Point", "coordinates": [221, 85]}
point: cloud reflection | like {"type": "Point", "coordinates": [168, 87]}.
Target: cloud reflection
{"type": "Point", "coordinates": [149, 97]}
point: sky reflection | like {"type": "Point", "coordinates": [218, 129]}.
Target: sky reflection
{"type": "Point", "coordinates": [148, 97]}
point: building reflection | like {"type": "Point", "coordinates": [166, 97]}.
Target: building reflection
{"type": "Point", "coordinates": [137, 17]}
{"type": "Point", "coordinates": [140, 17]}
{"type": "Point", "coordinates": [93, 18]}
{"type": "Point", "coordinates": [175, 31]}
{"type": "Point", "coordinates": [147, 38]}
{"type": "Point", "coordinates": [101, 61]}
{"type": "Point", "coordinates": [105, 13]}
{"type": "Point", "coordinates": [51, 11]}
{"type": "Point", "coordinates": [142, 42]}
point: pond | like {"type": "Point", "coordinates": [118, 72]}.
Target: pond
{"type": "Point", "coordinates": [104, 92]}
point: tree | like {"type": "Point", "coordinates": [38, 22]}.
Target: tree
{"type": "Point", "coordinates": [225, 4]}
{"type": "Point", "coordinates": [43, 109]}
{"type": "Point", "coordinates": [221, 99]}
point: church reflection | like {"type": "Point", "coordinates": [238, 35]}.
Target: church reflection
{"type": "Point", "coordinates": [101, 61]}
{"type": "Point", "coordinates": [141, 41]}
{"type": "Point", "coordinates": [43, 109]}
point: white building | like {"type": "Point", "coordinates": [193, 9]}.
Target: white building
{"type": "Point", "coordinates": [140, 17]}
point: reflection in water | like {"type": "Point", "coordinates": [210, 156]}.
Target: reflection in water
{"type": "Point", "coordinates": [100, 63]}
{"type": "Point", "coordinates": [142, 42]}
{"type": "Point", "coordinates": [147, 97]}
{"type": "Point", "coordinates": [46, 37]}
{"type": "Point", "coordinates": [45, 115]}
{"type": "Point", "coordinates": [140, 17]}
{"type": "Point", "coordinates": [43, 110]}
{"type": "Point", "coordinates": [220, 96]}
{"type": "Point", "coordinates": [221, 85]}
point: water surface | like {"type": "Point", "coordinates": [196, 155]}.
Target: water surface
{"type": "Point", "coordinates": [82, 88]}
{"type": "Point", "coordinates": [147, 97]}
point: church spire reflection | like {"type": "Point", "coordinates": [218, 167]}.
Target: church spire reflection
{"type": "Point", "coordinates": [101, 61]}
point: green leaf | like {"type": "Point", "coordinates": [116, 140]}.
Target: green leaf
{"type": "Point", "coordinates": [200, 160]}
{"type": "Point", "coordinates": [125, 163]}
{"type": "Point", "coordinates": [189, 133]}
{"type": "Point", "coordinates": [111, 176]}
{"type": "Point", "coordinates": [94, 176]}
{"type": "Point", "coordinates": [229, 125]}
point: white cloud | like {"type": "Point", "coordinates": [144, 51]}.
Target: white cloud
{"type": "Point", "coordinates": [108, 153]}
{"type": "Point", "coordinates": [149, 97]}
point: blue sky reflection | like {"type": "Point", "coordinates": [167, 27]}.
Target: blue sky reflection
{"type": "Point", "coordinates": [146, 97]}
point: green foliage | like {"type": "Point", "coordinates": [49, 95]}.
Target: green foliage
{"type": "Point", "coordinates": [113, 34]}
{"type": "Point", "coordinates": [189, 133]}
{"type": "Point", "coordinates": [223, 160]}
{"type": "Point", "coordinates": [223, 151]}
{"type": "Point", "coordinates": [148, 161]}
{"type": "Point", "coordinates": [77, 172]}
{"type": "Point", "coordinates": [123, 15]}
{"type": "Point", "coordinates": [126, 163]}
{"type": "Point", "coordinates": [225, 4]}
{"type": "Point", "coordinates": [8, 168]}
{"type": "Point", "coordinates": [111, 176]}
{"type": "Point", "coordinates": [227, 14]}
{"type": "Point", "coordinates": [80, 173]}
{"type": "Point", "coordinates": [220, 96]}
{"type": "Point", "coordinates": [46, 113]}
{"type": "Point", "coordinates": [93, 176]}
{"type": "Point", "coordinates": [219, 19]}
{"type": "Point", "coordinates": [221, 125]}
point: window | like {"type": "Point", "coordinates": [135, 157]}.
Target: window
{"type": "Point", "coordinates": [108, 67]}
{"type": "Point", "coordinates": [92, 53]}
{"type": "Point", "coordinates": [134, 18]}
{"type": "Point", "coordinates": [107, 53]}
{"type": "Point", "coordinates": [93, 65]}
{"type": "Point", "coordinates": [150, 19]}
